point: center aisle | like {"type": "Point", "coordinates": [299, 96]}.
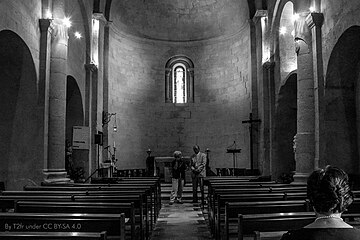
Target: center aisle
{"type": "Point", "coordinates": [180, 221]}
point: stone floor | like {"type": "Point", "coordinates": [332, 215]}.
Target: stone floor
{"type": "Point", "coordinates": [181, 221]}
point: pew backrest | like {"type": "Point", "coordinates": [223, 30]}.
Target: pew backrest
{"type": "Point", "coordinates": [78, 207]}
{"type": "Point", "coordinates": [113, 224]}
{"type": "Point", "coordinates": [53, 236]}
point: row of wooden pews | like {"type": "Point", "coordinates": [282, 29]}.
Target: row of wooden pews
{"type": "Point", "coordinates": [124, 208]}
{"type": "Point", "coordinates": [240, 206]}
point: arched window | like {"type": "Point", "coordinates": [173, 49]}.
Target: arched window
{"type": "Point", "coordinates": [179, 80]}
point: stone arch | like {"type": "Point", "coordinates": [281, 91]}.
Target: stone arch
{"type": "Point", "coordinates": [20, 139]}
{"type": "Point", "coordinates": [74, 106]}
{"type": "Point", "coordinates": [285, 120]}
{"type": "Point", "coordinates": [275, 23]}
{"type": "Point", "coordinates": [287, 54]}
{"type": "Point", "coordinates": [74, 113]}
{"type": "Point", "coordinates": [285, 89]}
{"type": "Point", "coordinates": [341, 103]}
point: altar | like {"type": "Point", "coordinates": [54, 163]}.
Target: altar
{"type": "Point", "coordinates": [162, 167]}
{"type": "Point", "coordinates": [107, 170]}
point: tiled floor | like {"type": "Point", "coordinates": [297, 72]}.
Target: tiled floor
{"type": "Point", "coordinates": [181, 221]}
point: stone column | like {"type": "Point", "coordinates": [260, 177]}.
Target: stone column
{"type": "Point", "coordinates": [191, 96]}
{"type": "Point", "coordinates": [305, 150]}
{"type": "Point", "coordinates": [55, 171]}
{"type": "Point", "coordinates": [46, 29]}
{"type": "Point", "coordinates": [315, 21]}
{"type": "Point", "coordinates": [168, 86]}
{"type": "Point", "coordinates": [91, 80]}
{"type": "Point", "coordinates": [260, 70]}
{"type": "Point", "coordinates": [268, 77]}
{"type": "Point", "coordinates": [105, 130]}
{"type": "Point", "coordinates": [254, 93]}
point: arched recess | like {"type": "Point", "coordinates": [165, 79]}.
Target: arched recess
{"type": "Point", "coordinates": [285, 90]}
{"type": "Point", "coordinates": [74, 117]}
{"type": "Point", "coordinates": [169, 77]}
{"type": "Point", "coordinates": [285, 127]}
{"type": "Point", "coordinates": [341, 103]}
{"type": "Point", "coordinates": [21, 141]}
{"type": "Point", "coordinates": [287, 54]}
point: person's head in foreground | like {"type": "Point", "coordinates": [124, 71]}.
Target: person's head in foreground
{"type": "Point", "coordinates": [328, 191]}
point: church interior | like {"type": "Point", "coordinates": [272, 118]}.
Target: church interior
{"type": "Point", "coordinates": [111, 88]}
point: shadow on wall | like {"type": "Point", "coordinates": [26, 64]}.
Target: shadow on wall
{"type": "Point", "coordinates": [341, 100]}
{"type": "Point", "coordinates": [21, 138]}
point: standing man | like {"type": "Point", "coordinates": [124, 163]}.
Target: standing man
{"type": "Point", "coordinates": [198, 172]}
{"type": "Point", "coordinates": [178, 168]}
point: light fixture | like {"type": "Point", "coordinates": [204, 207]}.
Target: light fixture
{"type": "Point", "coordinates": [148, 152]}
{"type": "Point", "coordinates": [293, 33]}
{"type": "Point", "coordinates": [295, 17]}
{"type": "Point", "coordinates": [282, 30]}
{"type": "Point", "coordinates": [115, 125]}
{"type": "Point", "coordinates": [66, 22]}
{"type": "Point", "coordinates": [48, 14]}
{"type": "Point", "coordinates": [77, 35]}
{"type": "Point", "coordinates": [106, 118]}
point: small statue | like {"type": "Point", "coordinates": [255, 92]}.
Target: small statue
{"type": "Point", "coordinates": [294, 144]}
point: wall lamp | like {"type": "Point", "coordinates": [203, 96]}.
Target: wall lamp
{"type": "Point", "coordinates": [106, 118]}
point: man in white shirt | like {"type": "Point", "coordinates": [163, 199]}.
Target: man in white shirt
{"type": "Point", "coordinates": [198, 171]}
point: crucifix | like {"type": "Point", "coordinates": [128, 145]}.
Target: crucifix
{"type": "Point", "coordinates": [251, 121]}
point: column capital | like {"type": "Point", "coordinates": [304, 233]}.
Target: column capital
{"type": "Point", "coordinates": [269, 64]}
{"type": "Point", "coordinates": [91, 67]}
{"type": "Point", "coordinates": [259, 14]}
{"type": "Point", "coordinates": [100, 17]}
{"type": "Point", "coordinates": [315, 20]}
{"type": "Point", "coordinates": [46, 25]}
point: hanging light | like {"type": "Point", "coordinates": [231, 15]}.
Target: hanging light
{"type": "Point", "coordinates": [115, 125]}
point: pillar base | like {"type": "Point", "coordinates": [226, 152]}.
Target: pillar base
{"type": "Point", "coordinates": [301, 177]}
{"type": "Point", "coordinates": [55, 177]}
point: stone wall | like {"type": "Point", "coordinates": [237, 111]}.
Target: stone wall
{"type": "Point", "coordinates": [222, 98]}
{"type": "Point", "coordinates": [340, 33]}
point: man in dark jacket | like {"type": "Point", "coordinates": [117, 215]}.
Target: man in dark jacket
{"type": "Point", "coordinates": [178, 168]}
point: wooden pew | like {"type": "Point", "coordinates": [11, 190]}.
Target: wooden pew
{"type": "Point", "coordinates": [113, 224]}
{"type": "Point", "coordinates": [258, 235]}
{"type": "Point", "coordinates": [233, 209]}
{"type": "Point", "coordinates": [9, 202]}
{"type": "Point", "coordinates": [153, 182]}
{"type": "Point", "coordinates": [80, 207]}
{"type": "Point", "coordinates": [152, 193]}
{"type": "Point", "coordinates": [149, 199]}
{"type": "Point", "coordinates": [212, 196]}
{"type": "Point", "coordinates": [274, 222]}
{"type": "Point", "coordinates": [269, 187]}
{"type": "Point", "coordinates": [52, 236]}
{"type": "Point", "coordinates": [217, 207]}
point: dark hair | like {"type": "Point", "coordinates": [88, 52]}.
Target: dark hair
{"type": "Point", "coordinates": [196, 146]}
{"type": "Point", "coordinates": [328, 190]}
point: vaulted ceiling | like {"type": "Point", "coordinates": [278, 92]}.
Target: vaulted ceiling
{"type": "Point", "coordinates": [179, 20]}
